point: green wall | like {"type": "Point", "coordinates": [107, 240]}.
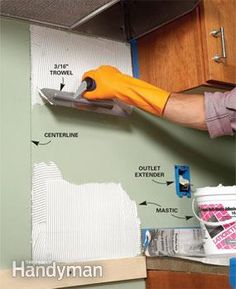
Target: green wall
{"type": "Point", "coordinates": [108, 149]}
{"type": "Point", "coordinates": [15, 142]}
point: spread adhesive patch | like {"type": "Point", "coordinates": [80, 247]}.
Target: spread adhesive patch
{"type": "Point", "coordinates": [63, 57]}
{"type": "Point", "coordinates": [81, 222]}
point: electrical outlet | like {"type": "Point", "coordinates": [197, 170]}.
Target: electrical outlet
{"type": "Point", "coordinates": [182, 181]}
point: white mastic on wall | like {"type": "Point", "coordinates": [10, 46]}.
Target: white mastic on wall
{"type": "Point", "coordinates": [81, 222]}
{"type": "Point", "coordinates": [52, 49]}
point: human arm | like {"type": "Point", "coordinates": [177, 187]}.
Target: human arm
{"type": "Point", "coordinates": [220, 111]}
{"type": "Point", "coordinates": [186, 110]}
{"type": "Point", "coordinates": [183, 109]}
{"type": "Point", "coordinates": [215, 112]}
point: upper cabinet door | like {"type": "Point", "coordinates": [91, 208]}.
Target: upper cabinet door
{"type": "Point", "coordinates": [172, 57]}
{"type": "Point", "coordinates": [218, 19]}
{"type": "Point", "coordinates": [196, 49]}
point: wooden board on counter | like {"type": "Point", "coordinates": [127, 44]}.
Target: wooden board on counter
{"type": "Point", "coordinates": [113, 270]}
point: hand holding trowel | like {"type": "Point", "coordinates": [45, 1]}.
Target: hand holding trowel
{"type": "Point", "coordinates": [107, 90]}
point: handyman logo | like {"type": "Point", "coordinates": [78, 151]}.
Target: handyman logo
{"type": "Point", "coordinates": [53, 270]}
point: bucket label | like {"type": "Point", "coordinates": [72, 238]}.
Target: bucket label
{"type": "Point", "coordinates": [223, 236]}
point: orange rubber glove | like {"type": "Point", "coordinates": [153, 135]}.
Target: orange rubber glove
{"type": "Point", "coordinates": [111, 83]}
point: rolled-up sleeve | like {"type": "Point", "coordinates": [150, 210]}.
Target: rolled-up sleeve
{"type": "Point", "coordinates": [220, 112]}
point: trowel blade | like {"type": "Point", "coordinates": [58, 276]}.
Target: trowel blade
{"type": "Point", "coordinates": [52, 95]}
{"type": "Point", "coordinates": [62, 98]}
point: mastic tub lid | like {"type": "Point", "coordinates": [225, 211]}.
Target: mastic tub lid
{"type": "Point", "coordinates": [209, 191]}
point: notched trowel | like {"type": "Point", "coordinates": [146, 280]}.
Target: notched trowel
{"type": "Point", "coordinates": [76, 100]}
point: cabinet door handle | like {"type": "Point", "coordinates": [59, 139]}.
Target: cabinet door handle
{"type": "Point", "coordinates": [221, 33]}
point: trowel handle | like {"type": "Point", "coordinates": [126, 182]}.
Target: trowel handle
{"type": "Point", "coordinates": [91, 84]}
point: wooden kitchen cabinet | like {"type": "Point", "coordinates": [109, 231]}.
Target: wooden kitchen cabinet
{"type": "Point", "coordinates": [183, 280]}
{"type": "Point", "coordinates": [187, 52]}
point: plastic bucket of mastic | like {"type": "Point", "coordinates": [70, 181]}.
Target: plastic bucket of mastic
{"type": "Point", "coordinates": [217, 216]}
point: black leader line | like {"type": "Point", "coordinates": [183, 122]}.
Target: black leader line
{"type": "Point", "coordinates": [185, 217]}
{"type": "Point", "coordinates": [165, 183]}
{"type": "Point", "coordinates": [37, 143]}
{"type": "Point", "coordinates": [145, 203]}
